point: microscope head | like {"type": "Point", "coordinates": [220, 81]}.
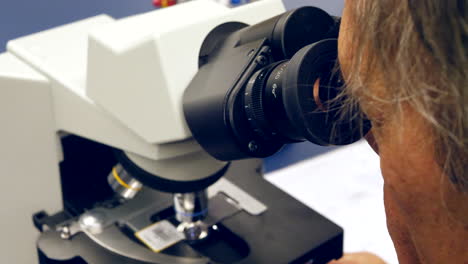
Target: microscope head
{"type": "Point", "coordinates": [274, 83]}
{"type": "Point", "coordinates": [251, 80]}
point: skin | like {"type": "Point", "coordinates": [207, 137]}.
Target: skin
{"type": "Point", "coordinates": [420, 210]}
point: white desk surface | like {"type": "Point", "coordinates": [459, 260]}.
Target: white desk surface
{"type": "Point", "coordinates": [346, 186]}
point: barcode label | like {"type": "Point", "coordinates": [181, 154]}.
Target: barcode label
{"type": "Point", "coordinates": [159, 236]}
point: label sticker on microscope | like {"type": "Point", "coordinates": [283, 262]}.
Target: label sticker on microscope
{"type": "Point", "coordinates": [159, 236]}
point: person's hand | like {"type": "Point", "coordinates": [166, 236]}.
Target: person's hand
{"type": "Point", "coordinates": [359, 258]}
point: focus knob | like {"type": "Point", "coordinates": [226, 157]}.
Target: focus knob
{"type": "Point", "coordinates": [254, 103]}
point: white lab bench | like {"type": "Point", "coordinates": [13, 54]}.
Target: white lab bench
{"type": "Point", "coordinates": [346, 186]}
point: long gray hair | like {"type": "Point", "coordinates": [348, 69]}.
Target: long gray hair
{"type": "Point", "coordinates": [421, 46]}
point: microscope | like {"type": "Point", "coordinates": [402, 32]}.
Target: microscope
{"type": "Point", "coordinates": [141, 139]}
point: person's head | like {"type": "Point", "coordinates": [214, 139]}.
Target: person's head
{"type": "Point", "coordinates": [406, 64]}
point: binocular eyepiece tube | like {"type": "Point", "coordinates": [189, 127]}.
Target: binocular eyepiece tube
{"type": "Point", "coordinates": [263, 86]}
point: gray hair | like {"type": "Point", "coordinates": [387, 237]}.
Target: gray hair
{"type": "Point", "coordinates": [421, 46]}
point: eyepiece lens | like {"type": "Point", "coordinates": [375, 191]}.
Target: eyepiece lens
{"type": "Point", "coordinates": [296, 100]}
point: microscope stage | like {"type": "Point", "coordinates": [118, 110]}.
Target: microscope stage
{"type": "Point", "coordinates": [286, 232]}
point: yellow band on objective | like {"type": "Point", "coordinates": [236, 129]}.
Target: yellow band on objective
{"type": "Point", "coordinates": [121, 182]}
